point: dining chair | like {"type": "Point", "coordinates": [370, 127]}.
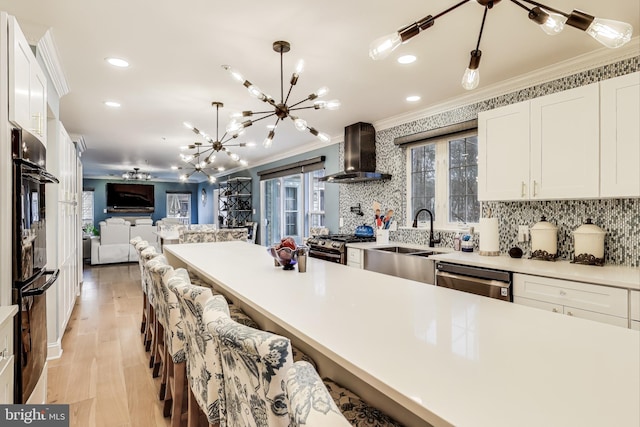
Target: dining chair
{"type": "Point", "coordinates": [204, 372]}
{"type": "Point", "coordinates": [254, 364]}
{"type": "Point", "coordinates": [309, 401]}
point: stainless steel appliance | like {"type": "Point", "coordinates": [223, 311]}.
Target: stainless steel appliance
{"type": "Point", "coordinates": [475, 280]}
{"type": "Point", "coordinates": [333, 247]}
{"type": "Point", "coordinates": [30, 277]}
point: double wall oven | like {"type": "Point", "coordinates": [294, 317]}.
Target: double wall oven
{"type": "Point", "coordinates": [31, 279]}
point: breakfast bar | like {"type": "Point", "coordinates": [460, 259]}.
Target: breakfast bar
{"type": "Point", "coordinates": [438, 356]}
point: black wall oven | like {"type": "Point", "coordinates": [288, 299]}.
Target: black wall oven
{"type": "Point", "coordinates": [31, 279]}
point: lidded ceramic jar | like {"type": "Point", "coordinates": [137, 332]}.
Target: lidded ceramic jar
{"type": "Point", "coordinates": [588, 239]}
{"type": "Point", "coordinates": [544, 239]}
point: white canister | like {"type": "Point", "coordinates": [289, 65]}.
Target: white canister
{"type": "Point", "coordinates": [544, 237]}
{"type": "Point", "coordinates": [589, 239]}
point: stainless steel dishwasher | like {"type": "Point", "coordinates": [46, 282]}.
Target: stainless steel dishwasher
{"type": "Point", "coordinates": [476, 280]}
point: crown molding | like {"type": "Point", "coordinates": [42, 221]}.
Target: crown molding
{"type": "Point", "coordinates": [581, 63]}
{"type": "Point", "coordinates": [47, 48]}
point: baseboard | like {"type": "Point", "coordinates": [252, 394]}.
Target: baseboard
{"type": "Point", "coordinates": [54, 350]}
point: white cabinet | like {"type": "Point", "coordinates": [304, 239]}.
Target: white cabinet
{"type": "Point", "coordinates": [27, 85]}
{"type": "Point", "coordinates": [7, 314]}
{"type": "Point", "coordinates": [634, 309]}
{"type": "Point", "coordinates": [565, 144]}
{"type": "Point", "coordinates": [503, 153]}
{"type": "Point", "coordinates": [620, 136]}
{"type": "Point", "coordinates": [543, 149]}
{"type": "Point", "coordinates": [354, 257]}
{"type": "Point", "coordinates": [595, 302]}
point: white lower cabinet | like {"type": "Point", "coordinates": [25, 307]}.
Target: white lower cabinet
{"type": "Point", "coordinates": [634, 309]}
{"type": "Point", "coordinates": [354, 257]}
{"type": "Point", "coordinates": [6, 353]}
{"type": "Point", "coordinates": [588, 301]}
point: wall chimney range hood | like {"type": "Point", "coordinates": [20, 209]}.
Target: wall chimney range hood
{"type": "Point", "coordinates": [359, 156]}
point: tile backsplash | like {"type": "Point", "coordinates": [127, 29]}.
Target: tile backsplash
{"type": "Point", "coordinates": [620, 218]}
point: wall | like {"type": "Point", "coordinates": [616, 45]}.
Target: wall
{"type": "Point", "coordinates": [620, 218]}
{"type": "Point", "coordinates": [160, 188]}
{"type": "Point", "coordinates": [205, 212]}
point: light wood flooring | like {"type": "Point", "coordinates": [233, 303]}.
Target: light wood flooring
{"type": "Point", "coordinates": [104, 373]}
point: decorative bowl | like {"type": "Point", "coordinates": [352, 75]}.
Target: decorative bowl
{"type": "Point", "coordinates": [285, 256]}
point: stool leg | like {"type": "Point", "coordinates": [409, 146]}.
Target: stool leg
{"type": "Point", "coordinates": [177, 392]}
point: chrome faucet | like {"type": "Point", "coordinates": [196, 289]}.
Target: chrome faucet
{"type": "Point", "coordinates": [432, 240]}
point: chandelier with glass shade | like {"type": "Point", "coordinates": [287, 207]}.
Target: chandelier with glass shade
{"type": "Point", "coordinates": [135, 174]}
{"type": "Point", "coordinates": [281, 109]}
{"type": "Point", "coordinates": [610, 33]}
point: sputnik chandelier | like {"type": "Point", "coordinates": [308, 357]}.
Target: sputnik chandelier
{"type": "Point", "coordinates": [201, 160]}
{"type": "Point", "coordinates": [135, 174]}
{"type": "Point", "coordinates": [281, 109]}
{"type": "Point", "coordinates": [610, 33]}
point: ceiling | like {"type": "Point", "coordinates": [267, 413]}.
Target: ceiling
{"type": "Point", "coordinates": [176, 50]}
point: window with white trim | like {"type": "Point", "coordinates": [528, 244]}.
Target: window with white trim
{"type": "Point", "coordinates": [443, 177]}
{"type": "Point", "coordinates": [87, 208]}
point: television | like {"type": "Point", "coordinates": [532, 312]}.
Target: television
{"type": "Point", "coordinates": [130, 197]}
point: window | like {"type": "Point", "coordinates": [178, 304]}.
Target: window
{"type": "Point", "coordinates": [87, 208]}
{"type": "Point", "coordinates": [444, 179]}
{"type": "Point", "coordinates": [315, 190]}
{"type": "Point", "coordinates": [179, 206]}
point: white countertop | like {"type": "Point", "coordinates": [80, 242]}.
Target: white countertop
{"type": "Point", "coordinates": [7, 312]}
{"type": "Point", "coordinates": [453, 358]}
{"type": "Point", "coordinates": [611, 275]}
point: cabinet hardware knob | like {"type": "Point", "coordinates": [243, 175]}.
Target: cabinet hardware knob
{"type": "Point", "coordinates": [569, 313]}
{"type": "Point", "coordinates": [535, 188]}
{"type": "Point", "coordinates": [523, 189]}
{"type": "Point", "coordinates": [563, 293]}
{"type": "Point", "coordinates": [555, 310]}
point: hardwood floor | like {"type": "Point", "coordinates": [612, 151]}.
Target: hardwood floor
{"type": "Point", "coordinates": [104, 373]}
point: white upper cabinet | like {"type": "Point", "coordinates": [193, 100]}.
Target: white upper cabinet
{"type": "Point", "coordinates": [27, 85]}
{"type": "Point", "coordinates": [565, 144]}
{"type": "Point", "coordinates": [620, 136]}
{"type": "Point", "coordinates": [503, 153]}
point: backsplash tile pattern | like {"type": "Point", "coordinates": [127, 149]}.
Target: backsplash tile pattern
{"type": "Point", "coordinates": [620, 218]}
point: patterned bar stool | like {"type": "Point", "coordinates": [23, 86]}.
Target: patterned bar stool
{"type": "Point", "coordinates": [310, 403]}
{"type": "Point", "coordinates": [143, 244]}
{"type": "Point", "coordinates": [145, 256]}
{"type": "Point", "coordinates": [204, 372]}
{"type": "Point", "coordinates": [254, 364]}
{"type": "Point", "coordinates": [158, 267]}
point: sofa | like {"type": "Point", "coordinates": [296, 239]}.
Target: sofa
{"type": "Point", "coordinates": [113, 244]}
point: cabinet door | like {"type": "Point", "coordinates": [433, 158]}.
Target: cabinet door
{"type": "Point", "coordinates": [503, 153]}
{"type": "Point", "coordinates": [634, 305]}
{"type": "Point", "coordinates": [38, 102]}
{"type": "Point", "coordinates": [354, 257]}
{"type": "Point", "coordinates": [19, 76]}
{"type": "Point", "coordinates": [620, 136]}
{"type": "Point", "coordinates": [565, 144]}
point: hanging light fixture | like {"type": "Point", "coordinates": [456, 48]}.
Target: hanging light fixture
{"type": "Point", "coordinates": [135, 174]}
{"type": "Point", "coordinates": [281, 109]}
{"type": "Point", "coordinates": [198, 161]}
{"type": "Point", "coordinates": [219, 144]}
{"type": "Point", "coordinates": [552, 21]}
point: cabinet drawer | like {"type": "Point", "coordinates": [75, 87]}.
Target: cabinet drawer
{"type": "Point", "coordinates": [594, 298]}
{"type": "Point", "coordinates": [555, 308]}
{"type": "Point", "coordinates": [354, 255]}
{"type": "Point", "coordinates": [635, 325]}
{"type": "Point", "coordinates": [598, 317]}
{"type": "Point", "coordinates": [634, 305]}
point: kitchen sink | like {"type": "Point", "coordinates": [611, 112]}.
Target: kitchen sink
{"type": "Point", "coordinates": [400, 261]}
{"type": "Point", "coordinates": [399, 250]}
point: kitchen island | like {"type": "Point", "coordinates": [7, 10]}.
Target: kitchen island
{"type": "Point", "coordinates": [440, 356]}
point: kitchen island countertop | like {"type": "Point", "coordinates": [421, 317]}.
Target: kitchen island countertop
{"type": "Point", "coordinates": [451, 358]}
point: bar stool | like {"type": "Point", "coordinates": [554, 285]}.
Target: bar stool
{"type": "Point", "coordinates": [254, 364]}
{"type": "Point", "coordinates": [204, 372]}
{"type": "Point", "coordinates": [158, 267]}
{"type": "Point", "coordinates": [310, 403]}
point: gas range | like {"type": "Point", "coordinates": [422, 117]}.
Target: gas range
{"type": "Point", "coordinates": [333, 247]}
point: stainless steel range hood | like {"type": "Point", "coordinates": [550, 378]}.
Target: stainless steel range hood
{"type": "Point", "coordinates": [359, 156]}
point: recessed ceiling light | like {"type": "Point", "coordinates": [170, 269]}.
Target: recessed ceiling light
{"type": "Point", "coordinates": [175, 168]}
{"type": "Point", "coordinates": [112, 104]}
{"type": "Point", "coordinates": [271, 126]}
{"type": "Point", "coordinates": [406, 59]}
{"type": "Point", "coordinates": [413, 98]}
{"type": "Point", "coordinates": [117, 62]}
{"type": "Point", "coordinates": [251, 144]}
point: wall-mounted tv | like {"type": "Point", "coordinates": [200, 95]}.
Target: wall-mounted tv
{"type": "Point", "coordinates": [130, 197]}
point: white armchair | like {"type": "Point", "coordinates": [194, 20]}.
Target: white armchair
{"type": "Point", "coordinates": [113, 244]}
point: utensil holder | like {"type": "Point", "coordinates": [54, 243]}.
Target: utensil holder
{"type": "Point", "coordinates": [382, 237]}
